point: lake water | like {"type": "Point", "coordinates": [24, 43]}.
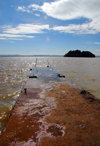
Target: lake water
{"type": "Point", "coordinates": [14, 73]}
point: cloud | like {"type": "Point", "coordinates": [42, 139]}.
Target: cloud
{"type": "Point", "coordinates": [22, 31]}
{"type": "Point", "coordinates": [23, 9]}
{"type": "Point", "coordinates": [84, 28]}
{"type": "Point", "coordinates": [98, 43]}
{"type": "Point", "coordinates": [14, 36]}
{"type": "Point", "coordinates": [72, 9]}
{"type": "Point", "coordinates": [75, 9]}
{"type": "Point", "coordinates": [34, 7]}
{"type": "Point", "coordinates": [37, 15]}
{"type": "Point", "coordinates": [26, 29]}
{"type": "Point", "coordinates": [29, 8]}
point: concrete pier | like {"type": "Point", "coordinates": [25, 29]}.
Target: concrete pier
{"type": "Point", "coordinates": [52, 111]}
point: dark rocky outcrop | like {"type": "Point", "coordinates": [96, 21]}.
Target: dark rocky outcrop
{"type": "Point", "coordinates": [78, 53]}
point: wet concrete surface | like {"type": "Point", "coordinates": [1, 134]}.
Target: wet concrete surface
{"type": "Point", "coordinates": [51, 111]}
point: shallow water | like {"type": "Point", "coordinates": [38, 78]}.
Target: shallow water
{"type": "Point", "coordinates": [14, 73]}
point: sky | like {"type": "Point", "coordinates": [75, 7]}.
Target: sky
{"type": "Point", "coordinates": [54, 27]}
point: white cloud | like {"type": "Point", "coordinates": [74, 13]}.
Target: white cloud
{"type": "Point", "coordinates": [75, 9]}
{"type": "Point", "coordinates": [34, 7]}
{"type": "Point", "coordinates": [22, 31]}
{"type": "Point", "coordinates": [76, 28]}
{"type": "Point", "coordinates": [23, 9]}
{"type": "Point", "coordinates": [98, 43]}
{"type": "Point", "coordinates": [72, 9]}
{"type": "Point", "coordinates": [30, 8]}
{"type": "Point", "coordinates": [26, 29]}
{"type": "Point", "coordinates": [37, 15]}
{"type": "Point", "coordinates": [14, 36]}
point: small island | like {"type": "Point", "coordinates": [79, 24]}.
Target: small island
{"type": "Point", "coordinates": [78, 53]}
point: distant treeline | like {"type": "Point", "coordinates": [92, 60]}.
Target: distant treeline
{"type": "Point", "coordinates": [78, 53]}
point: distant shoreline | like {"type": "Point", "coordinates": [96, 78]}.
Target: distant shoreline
{"type": "Point", "coordinates": [31, 55]}
{"type": "Point", "coordinates": [42, 56]}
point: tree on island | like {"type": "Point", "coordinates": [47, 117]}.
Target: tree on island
{"type": "Point", "coordinates": [78, 53]}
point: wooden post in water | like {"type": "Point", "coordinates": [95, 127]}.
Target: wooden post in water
{"type": "Point", "coordinates": [36, 62]}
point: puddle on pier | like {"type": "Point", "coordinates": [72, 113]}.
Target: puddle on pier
{"type": "Point", "coordinates": [44, 75]}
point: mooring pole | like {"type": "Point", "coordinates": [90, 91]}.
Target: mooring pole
{"type": "Point", "coordinates": [36, 62]}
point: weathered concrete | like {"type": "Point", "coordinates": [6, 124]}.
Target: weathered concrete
{"type": "Point", "coordinates": [51, 112]}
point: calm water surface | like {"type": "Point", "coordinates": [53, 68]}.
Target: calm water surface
{"type": "Point", "coordinates": [14, 73]}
